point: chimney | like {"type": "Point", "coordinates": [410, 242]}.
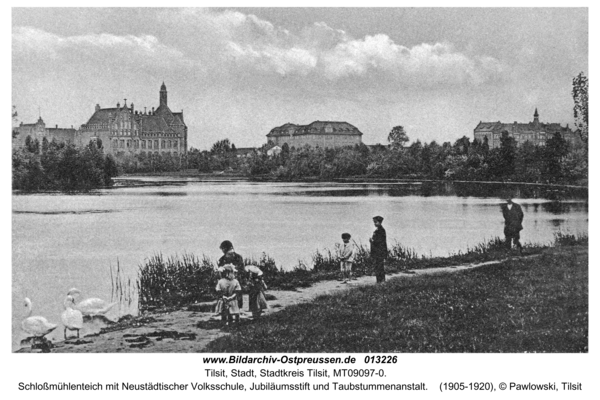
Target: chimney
{"type": "Point", "coordinates": [152, 110]}
{"type": "Point", "coordinates": [56, 126]}
{"type": "Point", "coordinates": [144, 110]}
{"type": "Point", "coordinates": [97, 107]}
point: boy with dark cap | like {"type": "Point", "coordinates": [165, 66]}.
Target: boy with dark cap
{"type": "Point", "coordinates": [346, 258]}
{"type": "Point", "coordinates": [379, 249]}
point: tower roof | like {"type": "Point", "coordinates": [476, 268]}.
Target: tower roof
{"type": "Point", "coordinates": [163, 87]}
{"type": "Point", "coordinates": [535, 114]}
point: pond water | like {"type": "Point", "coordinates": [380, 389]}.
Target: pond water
{"type": "Point", "coordinates": [62, 241]}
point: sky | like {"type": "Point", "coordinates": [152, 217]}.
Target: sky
{"type": "Point", "coordinates": [238, 73]}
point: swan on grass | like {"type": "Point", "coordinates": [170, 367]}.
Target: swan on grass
{"type": "Point", "coordinates": [72, 319]}
{"type": "Point", "coordinates": [37, 327]}
{"type": "Point", "coordinates": [91, 307]}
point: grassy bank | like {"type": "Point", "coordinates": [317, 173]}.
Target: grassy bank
{"type": "Point", "coordinates": [179, 281]}
{"type": "Point", "coordinates": [522, 305]}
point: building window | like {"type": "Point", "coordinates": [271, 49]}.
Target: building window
{"type": "Point", "coordinates": [143, 144]}
{"type": "Point", "coordinates": [121, 143]}
{"type": "Point", "coordinates": [149, 144]}
{"type": "Point", "coordinates": [156, 145]}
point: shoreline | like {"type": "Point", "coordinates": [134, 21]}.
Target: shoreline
{"type": "Point", "coordinates": [174, 178]}
{"type": "Point", "coordinates": [223, 176]}
{"type": "Point", "coordinates": [191, 328]}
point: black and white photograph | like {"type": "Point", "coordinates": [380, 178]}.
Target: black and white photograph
{"type": "Point", "coordinates": [367, 182]}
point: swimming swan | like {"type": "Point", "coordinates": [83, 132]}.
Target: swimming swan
{"type": "Point", "coordinates": [71, 318]}
{"type": "Point", "coordinates": [36, 326]}
{"type": "Point", "coordinates": [91, 307]}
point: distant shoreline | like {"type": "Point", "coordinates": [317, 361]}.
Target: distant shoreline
{"type": "Point", "coordinates": [224, 176]}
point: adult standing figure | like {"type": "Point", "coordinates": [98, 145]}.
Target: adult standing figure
{"type": "Point", "coordinates": [513, 224]}
{"type": "Point", "coordinates": [379, 249]}
{"type": "Point", "coordinates": [231, 257]}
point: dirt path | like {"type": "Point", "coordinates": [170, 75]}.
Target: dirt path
{"type": "Point", "coordinates": [192, 329]}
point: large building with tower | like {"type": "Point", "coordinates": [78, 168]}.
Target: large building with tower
{"type": "Point", "coordinates": [126, 130]}
{"type": "Point", "coordinates": [121, 129]}
{"type": "Point", "coordinates": [535, 132]}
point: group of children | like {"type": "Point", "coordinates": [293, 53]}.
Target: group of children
{"type": "Point", "coordinates": [229, 289]}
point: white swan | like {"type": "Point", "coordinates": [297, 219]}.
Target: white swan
{"type": "Point", "coordinates": [91, 307]}
{"type": "Point", "coordinates": [36, 326]}
{"type": "Point", "coordinates": [71, 318]}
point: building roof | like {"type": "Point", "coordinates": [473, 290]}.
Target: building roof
{"type": "Point", "coordinates": [65, 130]}
{"type": "Point", "coordinates": [103, 116]}
{"type": "Point", "coordinates": [516, 127]}
{"type": "Point", "coordinates": [245, 150]}
{"type": "Point", "coordinates": [315, 128]}
{"type": "Point", "coordinates": [161, 120]}
{"type": "Point", "coordinates": [499, 127]}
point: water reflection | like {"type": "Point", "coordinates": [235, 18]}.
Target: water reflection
{"type": "Point", "coordinates": [432, 189]}
{"type": "Point", "coordinates": [557, 207]}
{"type": "Point", "coordinates": [557, 222]}
{"type": "Point", "coordinates": [80, 212]}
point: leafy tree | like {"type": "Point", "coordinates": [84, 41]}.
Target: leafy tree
{"type": "Point", "coordinates": [462, 145]}
{"type": "Point", "coordinates": [32, 145]}
{"type": "Point", "coordinates": [556, 149]}
{"type": "Point", "coordinates": [110, 170]}
{"type": "Point", "coordinates": [15, 132]}
{"type": "Point", "coordinates": [398, 137]}
{"type": "Point", "coordinates": [485, 146]}
{"type": "Point", "coordinates": [221, 147]}
{"type": "Point", "coordinates": [502, 160]}
{"type": "Point", "coordinates": [580, 110]}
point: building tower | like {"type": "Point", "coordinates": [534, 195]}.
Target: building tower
{"type": "Point", "coordinates": [163, 95]}
{"type": "Point", "coordinates": [536, 119]}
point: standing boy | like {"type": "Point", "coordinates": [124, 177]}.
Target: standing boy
{"type": "Point", "coordinates": [346, 258]}
{"type": "Point", "coordinates": [379, 249]}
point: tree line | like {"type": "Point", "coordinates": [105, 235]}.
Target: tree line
{"type": "Point", "coordinates": [52, 165]}
{"type": "Point", "coordinates": [556, 162]}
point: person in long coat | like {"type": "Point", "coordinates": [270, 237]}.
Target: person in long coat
{"type": "Point", "coordinates": [379, 249]}
{"type": "Point", "coordinates": [513, 224]}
